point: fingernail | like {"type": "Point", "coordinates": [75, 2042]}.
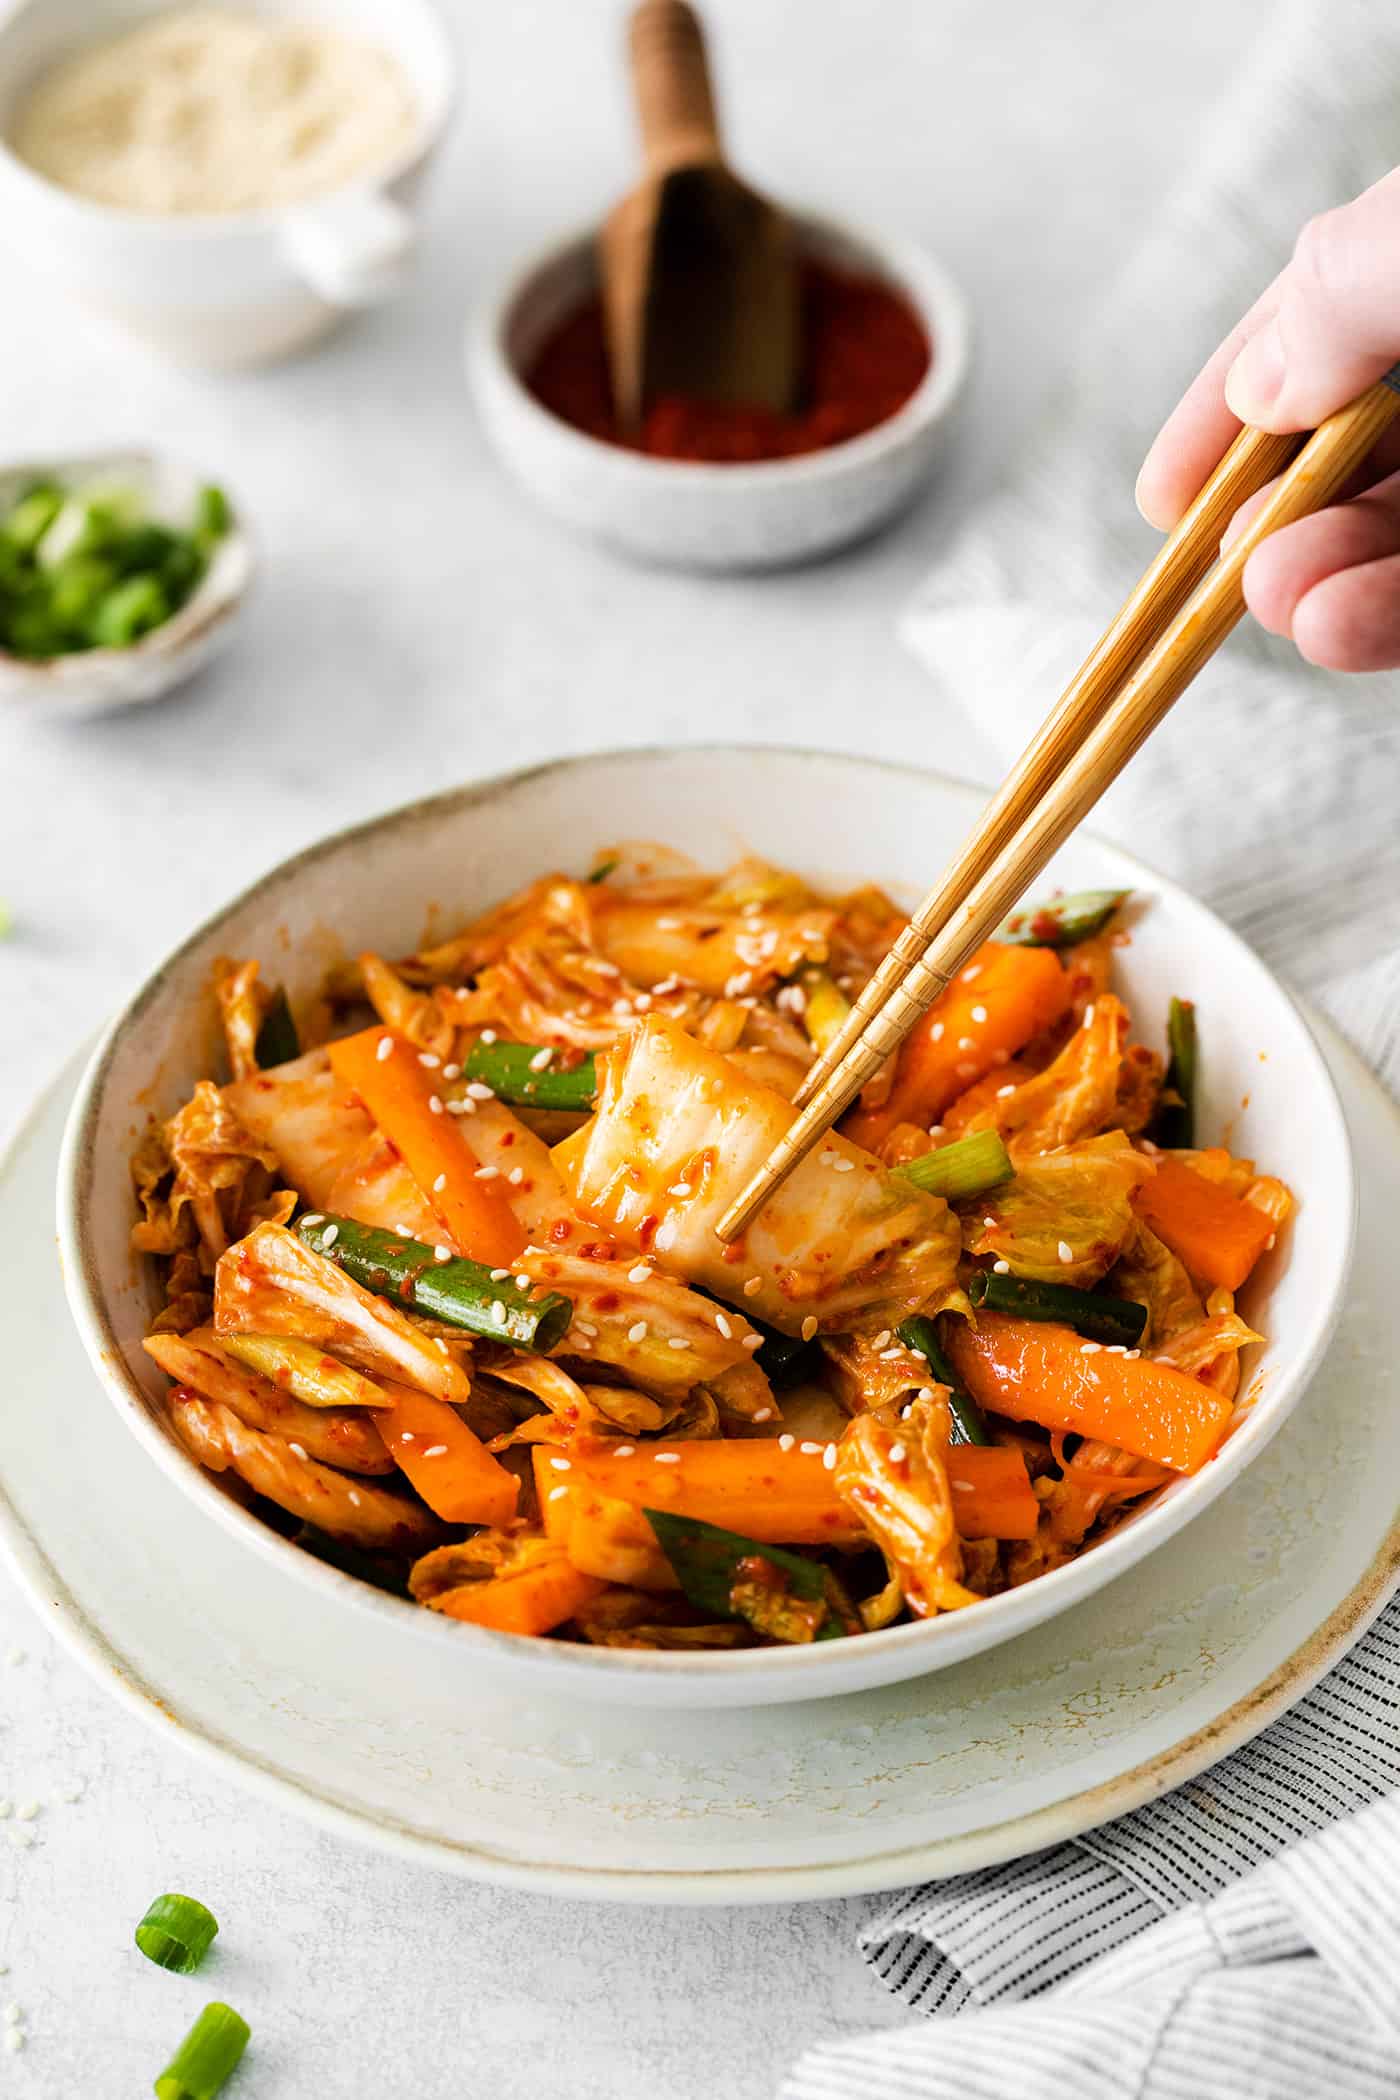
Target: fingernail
{"type": "Point", "coordinates": [1255, 380]}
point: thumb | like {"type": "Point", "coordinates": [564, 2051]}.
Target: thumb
{"type": "Point", "coordinates": [1336, 327]}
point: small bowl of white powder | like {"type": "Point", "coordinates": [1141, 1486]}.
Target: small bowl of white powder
{"type": "Point", "coordinates": [225, 182]}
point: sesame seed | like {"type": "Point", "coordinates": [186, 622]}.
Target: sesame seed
{"type": "Point", "coordinates": [440, 1184]}
{"type": "Point", "coordinates": [297, 1451]}
{"type": "Point", "coordinates": [429, 1059]}
{"type": "Point", "coordinates": [809, 1327]}
{"type": "Point", "coordinates": [436, 1451]}
{"type": "Point", "coordinates": [1131, 1355]}
{"type": "Point", "coordinates": [523, 1281]}
{"type": "Point", "coordinates": [763, 1414]}
{"type": "Point", "coordinates": [452, 1071]}
{"type": "Point", "coordinates": [966, 1042]}
{"type": "Point", "coordinates": [461, 1108]}
{"type": "Point", "coordinates": [973, 970]}
{"type": "Point", "coordinates": [442, 1253]}
{"type": "Point", "coordinates": [313, 1217]}
{"type": "Point", "coordinates": [669, 925]}
{"type": "Point", "coordinates": [724, 1327]}
{"type": "Point", "coordinates": [1001, 1268]}
{"type": "Point", "coordinates": [883, 1338]}
{"type": "Point", "coordinates": [478, 1090]}
{"type": "Point", "coordinates": [354, 1498]}
{"type": "Point", "coordinates": [1003, 1091]}
{"type": "Point", "coordinates": [1089, 1015]}
{"type": "Point", "coordinates": [330, 1235]}
{"type": "Point", "coordinates": [555, 1493]}
{"type": "Point", "coordinates": [439, 1344]}
{"type": "Point", "coordinates": [753, 1286]}
{"type": "Point", "coordinates": [925, 1392]}
{"type": "Point", "coordinates": [488, 1035]}
{"type": "Point", "coordinates": [979, 1014]}
{"type": "Point", "coordinates": [892, 1354]}
{"type": "Point", "coordinates": [541, 1059]}
{"type": "Point", "coordinates": [753, 1341]}
{"type": "Point", "coordinates": [1065, 1251]}
{"type": "Point", "coordinates": [667, 1458]}
{"type": "Point", "coordinates": [679, 1188]}
{"type": "Point", "coordinates": [677, 1341]}
{"type": "Point", "coordinates": [936, 1032]}
{"type": "Point", "coordinates": [499, 1275]}
{"type": "Point", "coordinates": [406, 1437]}
{"type": "Point", "coordinates": [1090, 1348]}
{"type": "Point", "coordinates": [829, 1457]}
{"type": "Point", "coordinates": [637, 1332]}
{"type": "Point", "coordinates": [990, 1223]}
{"type": "Point", "coordinates": [809, 1450]}
{"type": "Point", "coordinates": [516, 1176]}
{"type": "Point", "coordinates": [487, 1174]}
{"type": "Point", "coordinates": [625, 1451]}
{"type": "Point", "coordinates": [786, 1442]}
{"type": "Point", "coordinates": [561, 1465]}
{"type": "Point", "coordinates": [844, 1166]}
{"type": "Point", "coordinates": [584, 1327]}
{"type": "Point", "coordinates": [498, 1312]}
{"type": "Point", "coordinates": [641, 1274]}
{"type": "Point", "coordinates": [898, 1454]}
{"type": "Point", "coordinates": [384, 1048]}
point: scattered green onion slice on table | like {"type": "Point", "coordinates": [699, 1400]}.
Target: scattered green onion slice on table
{"type": "Point", "coordinates": [527, 1076]}
{"type": "Point", "coordinates": [176, 1933]}
{"type": "Point", "coordinates": [1117, 1322]}
{"type": "Point", "coordinates": [461, 1293]}
{"type": "Point", "coordinates": [965, 1424]}
{"type": "Point", "coordinates": [1061, 921]}
{"type": "Point", "coordinates": [207, 2057]}
{"type": "Point", "coordinates": [968, 1167]}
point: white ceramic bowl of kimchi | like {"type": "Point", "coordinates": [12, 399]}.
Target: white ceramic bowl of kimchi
{"type": "Point", "coordinates": [840, 821]}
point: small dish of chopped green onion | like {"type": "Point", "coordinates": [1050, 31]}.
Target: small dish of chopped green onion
{"type": "Point", "coordinates": [119, 577]}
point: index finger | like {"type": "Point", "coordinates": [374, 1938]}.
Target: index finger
{"type": "Point", "coordinates": [1200, 429]}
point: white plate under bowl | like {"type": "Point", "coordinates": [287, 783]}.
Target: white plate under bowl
{"type": "Point", "coordinates": [841, 820]}
{"type": "Point", "coordinates": [1111, 1705]}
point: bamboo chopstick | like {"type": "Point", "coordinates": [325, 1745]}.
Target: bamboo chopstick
{"type": "Point", "coordinates": [986, 881]}
{"type": "Point", "coordinates": [1162, 589]}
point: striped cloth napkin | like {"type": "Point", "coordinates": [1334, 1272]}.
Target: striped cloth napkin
{"type": "Point", "coordinates": [1241, 1937]}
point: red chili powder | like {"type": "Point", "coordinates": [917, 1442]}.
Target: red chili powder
{"type": "Point", "coordinates": [864, 353]}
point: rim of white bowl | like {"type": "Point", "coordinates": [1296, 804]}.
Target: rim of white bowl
{"type": "Point", "coordinates": [164, 225]}
{"type": "Point", "coordinates": [926, 282]}
{"type": "Point", "coordinates": [820, 1670]}
{"type": "Point", "coordinates": [215, 599]}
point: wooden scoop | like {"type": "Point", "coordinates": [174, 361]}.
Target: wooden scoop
{"type": "Point", "coordinates": [699, 272]}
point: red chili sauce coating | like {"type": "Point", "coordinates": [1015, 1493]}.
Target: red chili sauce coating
{"type": "Point", "coordinates": [865, 351]}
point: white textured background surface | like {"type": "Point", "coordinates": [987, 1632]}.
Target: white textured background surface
{"type": "Point", "coordinates": [418, 623]}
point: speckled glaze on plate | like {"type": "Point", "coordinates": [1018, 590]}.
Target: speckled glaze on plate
{"type": "Point", "coordinates": [1141, 1687]}
{"type": "Point", "coordinates": [843, 820]}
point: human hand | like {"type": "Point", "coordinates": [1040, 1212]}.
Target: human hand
{"type": "Point", "coordinates": [1324, 330]}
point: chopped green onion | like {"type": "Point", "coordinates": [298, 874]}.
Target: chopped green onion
{"type": "Point", "coordinates": [207, 2057]}
{"type": "Point", "coordinates": [278, 1042]}
{"type": "Point", "coordinates": [462, 1293]}
{"type": "Point", "coordinates": [527, 1075]}
{"type": "Point", "coordinates": [1174, 1125]}
{"type": "Point", "coordinates": [968, 1167]}
{"type": "Point", "coordinates": [213, 513]}
{"type": "Point", "coordinates": [1117, 1322]}
{"type": "Point", "coordinates": [965, 1424]}
{"type": "Point", "coordinates": [604, 869]}
{"type": "Point", "coordinates": [781, 1594]}
{"type": "Point", "coordinates": [176, 1933]}
{"type": "Point", "coordinates": [1061, 921]}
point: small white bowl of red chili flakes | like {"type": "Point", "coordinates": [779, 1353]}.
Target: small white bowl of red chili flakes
{"type": "Point", "coordinates": [887, 342]}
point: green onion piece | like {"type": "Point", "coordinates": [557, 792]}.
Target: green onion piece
{"type": "Point", "coordinates": [826, 1010]}
{"type": "Point", "coordinates": [132, 609]}
{"type": "Point", "coordinates": [207, 2057]}
{"type": "Point", "coordinates": [776, 1592]}
{"type": "Point", "coordinates": [213, 513]}
{"type": "Point", "coordinates": [968, 1167]}
{"type": "Point", "coordinates": [1175, 1122]}
{"type": "Point", "coordinates": [513, 1073]}
{"type": "Point", "coordinates": [278, 1042]}
{"type": "Point", "coordinates": [303, 1370]}
{"type": "Point", "coordinates": [1118, 1322]}
{"type": "Point", "coordinates": [965, 1424]}
{"type": "Point", "coordinates": [462, 1293]}
{"type": "Point", "coordinates": [1061, 921]}
{"type": "Point", "coordinates": [604, 869]}
{"type": "Point", "coordinates": [176, 1933]}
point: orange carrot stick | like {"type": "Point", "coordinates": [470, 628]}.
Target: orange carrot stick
{"type": "Point", "coordinates": [783, 1498]}
{"type": "Point", "coordinates": [600, 1534]}
{"type": "Point", "coordinates": [448, 1464]}
{"type": "Point", "coordinates": [399, 1093]}
{"type": "Point", "coordinates": [1043, 1373]}
{"type": "Point", "coordinates": [535, 1601]}
{"type": "Point", "coordinates": [1217, 1236]}
{"type": "Point", "coordinates": [982, 1019]}
{"type": "Point", "coordinates": [992, 1494]}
